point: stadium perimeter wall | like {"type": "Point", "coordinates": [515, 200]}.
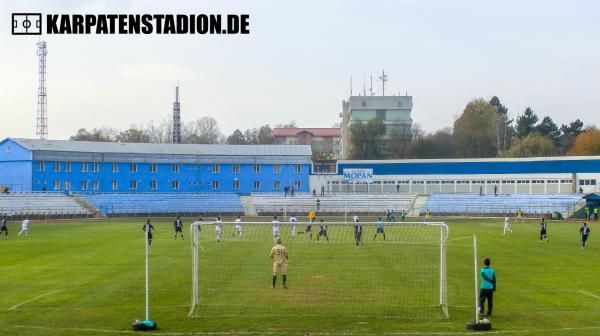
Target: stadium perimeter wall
{"type": "Point", "coordinates": [565, 175]}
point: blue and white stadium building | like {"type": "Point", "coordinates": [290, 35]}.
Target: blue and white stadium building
{"type": "Point", "coordinates": [106, 178]}
{"type": "Point", "coordinates": [82, 166]}
{"type": "Point", "coordinates": [548, 175]}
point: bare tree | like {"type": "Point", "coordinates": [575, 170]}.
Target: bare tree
{"type": "Point", "coordinates": [160, 132]}
{"type": "Point", "coordinates": [202, 131]}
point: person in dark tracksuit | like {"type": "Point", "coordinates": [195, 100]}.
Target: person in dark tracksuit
{"type": "Point", "coordinates": [357, 233]}
{"type": "Point", "coordinates": [178, 225]}
{"type": "Point", "coordinates": [148, 229]}
{"type": "Point", "coordinates": [543, 231]}
{"type": "Point", "coordinates": [4, 228]}
{"type": "Point", "coordinates": [488, 287]}
{"type": "Point", "coordinates": [584, 232]}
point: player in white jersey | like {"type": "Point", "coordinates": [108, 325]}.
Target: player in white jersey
{"type": "Point", "coordinates": [219, 229]}
{"type": "Point", "coordinates": [355, 218]}
{"type": "Point", "coordinates": [293, 222]}
{"type": "Point", "coordinates": [275, 229]}
{"type": "Point", "coordinates": [506, 225]}
{"type": "Point", "coordinates": [238, 227]}
{"type": "Point", "coordinates": [24, 227]}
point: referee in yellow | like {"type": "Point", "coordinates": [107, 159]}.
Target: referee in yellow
{"type": "Point", "coordinates": [279, 256]}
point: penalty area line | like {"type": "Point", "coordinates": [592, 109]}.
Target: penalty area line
{"type": "Point", "coordinates": [35, 298]}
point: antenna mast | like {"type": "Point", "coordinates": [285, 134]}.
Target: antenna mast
{"type": "Point", "coordinates": [371, 88]}
{"type": "Point", "coordinates": [176, 118]}
{"type": "Point", "coordinates": [41, 131]}
{"type": "Point", "coordinates": [383, 79]}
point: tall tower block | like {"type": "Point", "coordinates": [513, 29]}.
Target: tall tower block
{"type": "Point", "coordinates": [42, 116]}
{"type": "Point", "coordinates": [176, 118]}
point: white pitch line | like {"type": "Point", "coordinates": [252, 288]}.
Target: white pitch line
{"type": "Point", "coordinates": [35, 298]}
{"type": "Point", "coordinates": [589, 294]}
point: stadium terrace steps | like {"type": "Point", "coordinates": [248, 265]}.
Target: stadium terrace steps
{"type": "Point", "coordinates": [417, 205]}
{"type": "Point", "coordinates": [456, 204]}
{"type": "Point", "coordinates": [148, 204]}
{"type": "Point", "coordinates": [40, 204]}
{"type": "Point", "coordinates": [249, 209]}
{"type": "Point", "coordinates": [331, 203]}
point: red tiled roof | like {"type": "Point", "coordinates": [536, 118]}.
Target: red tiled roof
{"type": "Point", "coordinates": [327, 132]}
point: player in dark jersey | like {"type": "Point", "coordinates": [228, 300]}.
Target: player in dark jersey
{"type": "Point", "coordinates": [584, 232]}
{"type": "Point", "coordinates": [322, 231]}
{"type": "Point", "coordinates": [4, 228]}
{"type": "Point", "coordinates": [543, 231]}
{"type": "Point", "coordinates": [148, 228]}
{"type": "Point", "coordinates": [357, 233]}
{"type": "Point", "coordinates": [178, 225]}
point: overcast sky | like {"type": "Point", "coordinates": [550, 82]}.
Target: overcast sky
{"type": "Point", "coordinates": [297, 61]}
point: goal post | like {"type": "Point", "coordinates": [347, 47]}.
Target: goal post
{"type": "Point", "coordinates": [397, 272]}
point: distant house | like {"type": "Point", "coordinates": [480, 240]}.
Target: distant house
{"type": "Point", "coordinates": [325, 143]}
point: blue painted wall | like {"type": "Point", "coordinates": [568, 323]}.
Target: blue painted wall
{"type": "Point", "coordinates": [463, 168]}
{"type": "Point", "coordinates": [191, 177]}
{"type": "Point", "coordinates": [15, 166]}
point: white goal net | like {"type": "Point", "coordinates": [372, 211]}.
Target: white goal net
{"type": "Point", "coordinates": [398, 271]}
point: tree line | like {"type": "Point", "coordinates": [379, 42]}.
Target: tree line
{"type": "Point", "coordinates": [483, 129]}
{"type": "Point", "coordinates": [201, 131]}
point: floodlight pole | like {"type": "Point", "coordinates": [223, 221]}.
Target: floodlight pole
{"type": "Point", "coordinates": [476, 279]}
{"type": "Point", "coordinates": [147, 287]}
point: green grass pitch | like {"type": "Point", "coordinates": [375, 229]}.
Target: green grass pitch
{"type": "Point", "coordinates": [87, 278]}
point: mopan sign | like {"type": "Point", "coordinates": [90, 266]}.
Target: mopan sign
{"type": "Point", "coordinates": [360, 175]}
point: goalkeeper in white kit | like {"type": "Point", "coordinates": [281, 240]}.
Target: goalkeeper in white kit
{"type": "Point", "coordinates": [506, 225]}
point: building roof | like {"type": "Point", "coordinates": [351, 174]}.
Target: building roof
{"type": "Point", "coordinates": [169, 149]}
{"type": "Point", "coordinates": [326, 132]}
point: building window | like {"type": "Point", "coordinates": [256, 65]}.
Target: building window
{"type": "Point", "coordinates": [67, 185]}
{"type": "Point", "coordinates": [95, 167]}
{"type": "Point", "coordinates": [216, 168]}
{"type": "Point", "coordinates": [215, 185]}
{"type": "Point", "coordinates": [153, 184]}
{"type": "Point", "coordinates": [277, 168]}
{"type": "Point", "coordinates": [114, 185]}
{"type": "Point", "coordinates": [84, 185]}
{"type": "Point", "coordinates": [41, 166]}
{"type": "Point", "coordinates": [235, 168]}
{"type": "Point", "coordinates": [84, 167]}
{"type": "Point", "coordinates": [115, 167]}
{"type": "Point", "coordinates": [256, 169]}
{"type": "Point", "coordinates": [175, 184]}
{"type": "Point", "coordinates": [236, 184]}
{"type": "Point", "coordinates": [56, 167]}
{"type": "Point", "coordinates": [277, 185]}
{"type": "Point", "coordinates": [153, 167]}
{"type": "Point", "coordinates": [133, 167]}
{"type": "Point", "coordinates": [95, 185]}
{"type": "Point", "coordinates": [297, 185]}
{"type": "Point", "coordinates": [67, 167]}
{"type": "Point", "coordinates": [133, 184]}
{"type": "Point", "coordinates": [297, 169]}
{"type": "Point", "coordinates": [256, 185]}
{"type": "Point", "coordinates": [56, 185]}
{"type": "Point", "coordinates": [175, 168]}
